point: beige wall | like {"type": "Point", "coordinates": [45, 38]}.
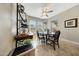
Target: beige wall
{"type": "Point", "coordinates": [6, 38]}
{"type": "Point", "coordinates": [68, 33]}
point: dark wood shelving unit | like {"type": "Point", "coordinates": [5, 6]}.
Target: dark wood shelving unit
{"type": "Point", "coordinates": [21, 33]}
{"type": "Point", "coordinates": [21, 25]}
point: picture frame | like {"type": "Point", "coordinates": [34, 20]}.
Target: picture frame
{"type": "Point", "coordinates": [71, 23]}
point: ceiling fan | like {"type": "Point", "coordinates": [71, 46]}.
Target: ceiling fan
{"type": "Point", "coordinates": [46, 11]}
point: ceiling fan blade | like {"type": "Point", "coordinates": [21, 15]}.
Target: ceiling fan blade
{"type": "Point", "coordinates": [50, 11]}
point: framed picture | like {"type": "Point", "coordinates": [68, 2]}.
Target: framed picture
{"type": "Point", "coordinates": [71, 23]}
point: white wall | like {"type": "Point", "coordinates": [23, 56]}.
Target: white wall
{"type": "Point", "coordinates": [68, 33]}
{"type": "Point", "coordinates": [6, 38]}
{"type": "Point", "coordinates": [13, 18]}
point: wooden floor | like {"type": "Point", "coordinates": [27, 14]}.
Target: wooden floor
{"type": "Point", "coordinates": [66, 49]}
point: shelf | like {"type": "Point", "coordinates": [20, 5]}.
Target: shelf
{"type": "Point", "coordinates": [23, 37]}
{"type": "Point", "coordinates": [21, 49]}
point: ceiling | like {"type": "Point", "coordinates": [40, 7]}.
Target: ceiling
{"type": "Point", "coordinates": [35, 9]}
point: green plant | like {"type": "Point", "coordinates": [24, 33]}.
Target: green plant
{"type": "Point", "coordinates": [27, 42]}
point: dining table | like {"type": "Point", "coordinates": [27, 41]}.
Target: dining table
{"type": "Point", "coordinates": [47, 35]}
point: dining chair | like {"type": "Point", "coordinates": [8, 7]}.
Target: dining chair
{"type": "Point", "coordinates": [54, 39]}
{"type": "Point", "coordinates": [40, 36]}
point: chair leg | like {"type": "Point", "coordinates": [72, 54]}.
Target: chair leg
{"type": "Point", "coordinates": [58, 44]}
{"type": "Point", "coordinates": [54, 45]}
{"type": "Point", "coordinates": [46, 41]}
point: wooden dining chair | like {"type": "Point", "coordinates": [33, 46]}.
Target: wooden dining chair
{"type": "Point", "coordinates": [40, 36]}
{"type": "Point", "coordinates": [55, 39]}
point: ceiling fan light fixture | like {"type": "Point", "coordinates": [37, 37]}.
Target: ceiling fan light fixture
{"type": "Point", "coordinates": [44, 14]}
{"type": "Point", "coordinates": [46, 10]}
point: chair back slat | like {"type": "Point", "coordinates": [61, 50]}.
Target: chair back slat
{"type": "Point", "coordinates": [56, 36]}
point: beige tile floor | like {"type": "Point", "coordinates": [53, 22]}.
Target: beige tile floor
{"type": "Point", "coordinates": [66, 49]}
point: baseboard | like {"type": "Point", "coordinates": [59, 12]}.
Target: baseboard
{"type": "Point", "coordinates": [70, 41]}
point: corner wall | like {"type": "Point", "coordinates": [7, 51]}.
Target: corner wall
{"type": "Point", "coordinates": [6, 38]}
{"type": "Point", "coordinates": [68, 33]}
